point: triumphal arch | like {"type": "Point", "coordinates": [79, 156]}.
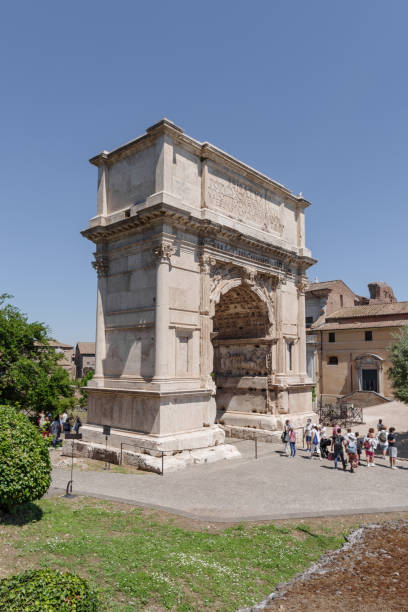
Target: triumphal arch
{"type": "Point", "coordinates": [201, 265]}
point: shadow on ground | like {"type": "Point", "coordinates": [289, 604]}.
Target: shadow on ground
{"type": "Point", "coordinates": [402, 444]}
{"type": "Point", "coordinates": [22, 515]}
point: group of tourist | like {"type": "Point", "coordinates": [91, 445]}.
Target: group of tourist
{"type": "Point", "coordinates": [346, 447]}
{"type": "Point", "coordinates": [62, 423]}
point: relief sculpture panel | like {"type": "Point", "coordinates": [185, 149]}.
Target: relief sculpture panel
{"type": "Point", "coordinates": [242, 360]}
{"type": "Point", "coordinates": [238, 199]}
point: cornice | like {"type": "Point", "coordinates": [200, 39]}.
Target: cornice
{"type": "Point", "coordinates": [204, 228]}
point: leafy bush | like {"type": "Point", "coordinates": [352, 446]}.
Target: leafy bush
{"type": "Point", "coordinates": [46, 591]}
{"type": "Point", "coordinates": [25, 467]}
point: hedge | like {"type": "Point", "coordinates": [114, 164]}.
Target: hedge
{"type": "Point", "coordinates": [46, 590]}
{"type": "Point", "coordinates": [25, 466]}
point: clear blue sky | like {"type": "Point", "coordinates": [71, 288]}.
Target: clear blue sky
{"type": "Point", "coordinates": [313, 93]}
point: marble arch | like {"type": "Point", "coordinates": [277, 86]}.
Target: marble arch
{"type": "Point", "coordinates": [180, 226]}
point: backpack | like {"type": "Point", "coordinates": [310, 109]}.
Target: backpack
{"type": "Point", "coordinates": [315, 440]}
{"type": "Point", "coordinates": [337, 442]}
{"type": "Point", "coordinates": [351, 448]}
{"type": "Point", "coordinates": [367, 444]}
{"type": "Point", "coordinates": [382, 436]}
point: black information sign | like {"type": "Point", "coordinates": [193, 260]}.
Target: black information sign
{"type": "Point", "coordinates": [106, 430]}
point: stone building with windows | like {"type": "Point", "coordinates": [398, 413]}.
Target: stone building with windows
{"type": "Point", "coordinates": [321, 300]}
{"type": "Point", "coordinates": [201, 264]}
{"type": "Point", "coordinates": [67, 356]}
{"type": "Point", "coordinates": [348, 347]}
{"type": "Point", "coordinates": [84, 358]}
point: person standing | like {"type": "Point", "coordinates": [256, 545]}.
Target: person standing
{"type": "Point", "coordinates": [392, 447]}
{"type": "Point", "coordinates": [360, 445]}
{"type": "Point", "coordinates": [45, 429]}
{"type": "Point", "coordinates": [292, 441]}
{"type": "Point", "coordinates": [324, 442]}
{"type": "Point", "coordinates": [308, 435]}
{"type": "Point", "coordinates": [315, 450]}
{"type": "Point", "coordinates": [337, 448]}
{"type": "Point", "coordinates": [370, 444]}
{"type": "Point", "coordinates": [351, 450]}
{"type": "Point", "coordinates": [379, 425]}
{"type": "Point", "coordinates": [55, 430]}
{"type": "Point", "coordinates": [285, 437]}
{"type": "Point", "coordinates": [348, 435]}
{"type": "Point", "coordinates": [77, 425]}
{"type": "Point", "coordinates": [383, 441]}
{"type": "Point", "coordinates": [67, 426]}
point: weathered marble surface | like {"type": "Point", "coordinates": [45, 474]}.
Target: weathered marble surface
{"type": "Point", "coordinates": [201, 266]}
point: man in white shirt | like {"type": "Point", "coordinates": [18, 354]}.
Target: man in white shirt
{"type": "Point", "coordinates": [308, 435]}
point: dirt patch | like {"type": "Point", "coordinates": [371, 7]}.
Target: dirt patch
{"type": "Point", "coordinates": [58, 460]}
{"type": "Point", "coordinates": [368, 573]}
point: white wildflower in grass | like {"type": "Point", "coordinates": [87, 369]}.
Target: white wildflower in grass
{"type": "Point", "coordinates": [199, 564]}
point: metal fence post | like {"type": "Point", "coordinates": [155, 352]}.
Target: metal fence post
{"type": "Point", "coordinates": [68, 492]}
{"type": "Point", "coordinates": [162, 463]}
{"type": "Point", "coordinates": [256, 447]}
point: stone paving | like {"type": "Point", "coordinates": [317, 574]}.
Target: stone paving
{"type": "Point", "coordinates": [270, 487]}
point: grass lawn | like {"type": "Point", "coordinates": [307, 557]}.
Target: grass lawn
{"type": "Point", "coordinates": [141, 559]}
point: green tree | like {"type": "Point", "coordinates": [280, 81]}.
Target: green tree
{"type": "Point", "coordinates": [398, 372]}
{"type": "Point", "coordinates": [30, 376]}
{"type": "Point", "coordinates": [81, 384]}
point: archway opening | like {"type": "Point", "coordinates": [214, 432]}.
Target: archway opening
{"type": "Point", "coordinates": [242, 352]}
{"type": "Point", "coordinates": [240, 313]}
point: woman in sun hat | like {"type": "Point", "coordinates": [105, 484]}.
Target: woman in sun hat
{"type": "Point", "coordinates": [351, 450]}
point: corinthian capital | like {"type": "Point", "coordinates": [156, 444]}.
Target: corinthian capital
{"type": "Point", "coordinates": [101, 265]}
{"type": "Point", "coordinates": [301, 285]}
{"type": "Point", "coordinates": [163, 252]}
{"type": "Point", "coordinates": [206, 263]}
